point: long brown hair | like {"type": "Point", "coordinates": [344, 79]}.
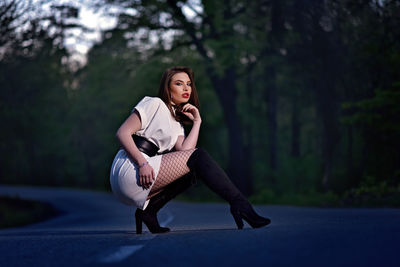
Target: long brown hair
{"type": "Point", "coordinates": [165, 95]}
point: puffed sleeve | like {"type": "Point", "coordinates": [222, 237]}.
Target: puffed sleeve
{"type": "Point", "coordinates": [147, 108]}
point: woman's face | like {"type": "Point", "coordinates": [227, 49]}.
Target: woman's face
{"type": "Point", "coordinates": [180, 88]}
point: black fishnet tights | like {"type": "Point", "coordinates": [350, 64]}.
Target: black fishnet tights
{"type": "Point", "coordinates": [173, 166]}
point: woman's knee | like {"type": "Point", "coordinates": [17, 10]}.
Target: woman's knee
{"type": "Point", "coordinates": [199, 155]}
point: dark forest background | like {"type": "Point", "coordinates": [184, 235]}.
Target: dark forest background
{"type": "Point", "coordinates": [299, 98]}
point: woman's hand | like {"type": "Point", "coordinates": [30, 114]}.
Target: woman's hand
{"type": "Point", "coordinates": [146, 175]}
{"type": "Point", "coordinates": [191, 112]}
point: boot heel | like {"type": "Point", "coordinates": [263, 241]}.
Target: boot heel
{"type": "Point", "coordinates": [138, 225]}
{"type": "Point", "coordinates": [238, 219]}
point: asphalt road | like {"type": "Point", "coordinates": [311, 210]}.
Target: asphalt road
{"type": "Point", "coordinates": [96, 230]}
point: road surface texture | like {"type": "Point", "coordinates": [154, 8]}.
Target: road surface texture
{"type": "Point", "coordinates": [96, 230]}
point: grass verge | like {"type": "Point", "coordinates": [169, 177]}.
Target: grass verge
{"type": "Point", "coordinates": [15, 211]}
{"type": "Point", "coordinates": [361, 197]}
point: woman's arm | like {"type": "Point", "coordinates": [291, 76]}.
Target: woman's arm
{"type": "Point", "coordinates": [191, 140]}
{"type": "Point", "coordinates": [124, 135]}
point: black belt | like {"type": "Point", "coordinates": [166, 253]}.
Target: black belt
{"type": "Point", "coordinates": [145, 146]}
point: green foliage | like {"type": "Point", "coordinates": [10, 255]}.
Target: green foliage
{"type": "Point", "coordinates": [264, 196]}
{"type": "Point", "coordinates": [298, 175]}
{"type": "Point", "coordinates": [373, 192]}
{"type": "Point", "coordinates": [327, 71]}
{"type": "Point", "coordinates": [35, 109]}
{"type": "Point", "coordinates": [311, 198]}
{"type": "Point", "coordinates": [379, 113]}
{"type": "Point", "coordinates": [379, 123]}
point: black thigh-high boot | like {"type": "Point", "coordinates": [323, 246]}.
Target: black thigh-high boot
{"type": "Point", "coordinates": [149, 215]}
{"type": "Point", "coordinates": [206, 169]}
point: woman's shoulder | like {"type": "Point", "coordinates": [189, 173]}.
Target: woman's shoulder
{"type": "Point", "coordinates": [151, 103]}
{"type": "Point", "coordinates": [152, 100]}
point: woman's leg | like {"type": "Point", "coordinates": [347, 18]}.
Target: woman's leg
{"type": "Point", "coordinates": [173, 166]}
{"type": "Point", "coordinates": [166, 187]}
{"type": "Point", "coordinates": [197, 161]}
{"type": "Point", "coordinates": [206, 169]}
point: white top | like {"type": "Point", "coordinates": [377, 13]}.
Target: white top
{"type": "Point", "coordinates": [158, 124]}
{"type": "Point", "coordinates": [159, 127]}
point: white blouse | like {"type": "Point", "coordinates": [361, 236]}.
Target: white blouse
{"type": "Point", "coordinates": [159, 127]}
{"type": "Point", "coordinates": [158, 124]}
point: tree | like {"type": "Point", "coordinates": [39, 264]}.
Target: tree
{"type": "Point", "coordinates": [33, 101]}
{"type": "Point", "coordinates": [213, 33]}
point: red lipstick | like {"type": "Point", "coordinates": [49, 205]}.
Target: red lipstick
{"type": "Point", "coordinates": [185, 95]}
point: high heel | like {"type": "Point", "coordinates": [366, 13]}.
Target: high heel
{"type": "Point", "coordinates": [237, 218]}
{"type": "Point", "coordinates": [205, 168]}
{"type": "Point", "coordinates": [149, 215]}
{"type": "Point", "coordinates": [150, 220]}
{"type": "Point", "coordinates": [249, 215]}
{"type": "Point", "coordinates": [138, 224]}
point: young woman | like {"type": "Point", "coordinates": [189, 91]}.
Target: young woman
{"type": "Point", "coordinates": [157, 161]}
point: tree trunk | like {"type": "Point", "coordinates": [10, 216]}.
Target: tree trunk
{"type": "Point", "coordinates": [275, 39]}
{"type": "Point", "coordinates": [271, 100]}
{"type": "Point", "coordinates": [238, 168]}
{"type": "Point", "coordinates": [327, 110]}
{"type": "Point", "coordinates": [225, 87]}
{"type": "Point", "coordinates": [295, 128]}
{"type": "Point", "coordinates": [324, 66]}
